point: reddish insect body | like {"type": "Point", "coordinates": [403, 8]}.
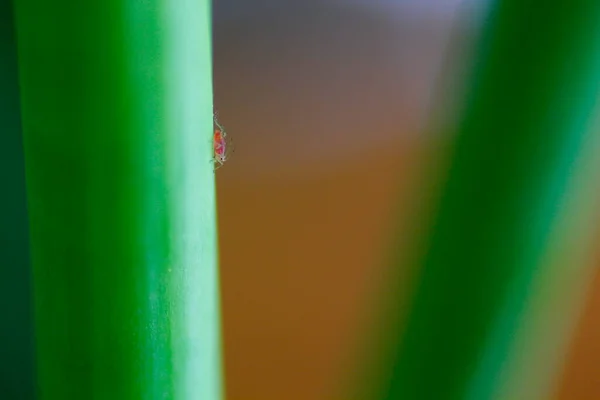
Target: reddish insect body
{"type": "Point", "coordinates": [222, 145]}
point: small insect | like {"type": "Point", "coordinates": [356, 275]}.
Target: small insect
{"type": "Point", "coordinates": [222, 144]}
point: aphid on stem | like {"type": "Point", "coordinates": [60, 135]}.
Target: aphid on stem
{"type": "Point", "coordinates": [222, 144]}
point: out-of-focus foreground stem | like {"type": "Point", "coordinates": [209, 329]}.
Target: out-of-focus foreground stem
{"type": "Point", "coordinates": [519, 155]}
{"type": "Point", "coordinates": [117, 118]}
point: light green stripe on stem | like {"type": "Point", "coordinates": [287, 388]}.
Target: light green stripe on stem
{"type": "Point", "coordinates": [187, 73]}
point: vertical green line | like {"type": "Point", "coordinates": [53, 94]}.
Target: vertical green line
{"type": "Point", "coordinates": [117, 119]}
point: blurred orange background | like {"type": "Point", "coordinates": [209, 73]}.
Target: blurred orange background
{"type": "Point", "coordinates": [328, 104]}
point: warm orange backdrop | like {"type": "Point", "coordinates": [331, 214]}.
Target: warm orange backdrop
{"type": "Point", "coordinates": [327, 108]}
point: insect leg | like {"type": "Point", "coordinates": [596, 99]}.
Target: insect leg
{"type": "Point", "coordinates": [219, 125]}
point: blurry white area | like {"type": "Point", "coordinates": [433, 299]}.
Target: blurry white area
{"type": "Point", "coordinates": [310, 81]}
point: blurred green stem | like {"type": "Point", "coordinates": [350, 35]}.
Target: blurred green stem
{"type": "Point", "coordinates": [117, 119]}
{"type": "Point", "coordinates": [528, 116]}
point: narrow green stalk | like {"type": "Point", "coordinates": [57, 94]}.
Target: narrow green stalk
{"type": "Point", "coordinates": [117, 119]}
{"type": "Point", "coordinates": [527, 120]}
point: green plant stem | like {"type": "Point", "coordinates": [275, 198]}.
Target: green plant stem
{"type": "Point", "coordinates": [117, 119]}
{"type": "Point", "coordinates": [527, 119]}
